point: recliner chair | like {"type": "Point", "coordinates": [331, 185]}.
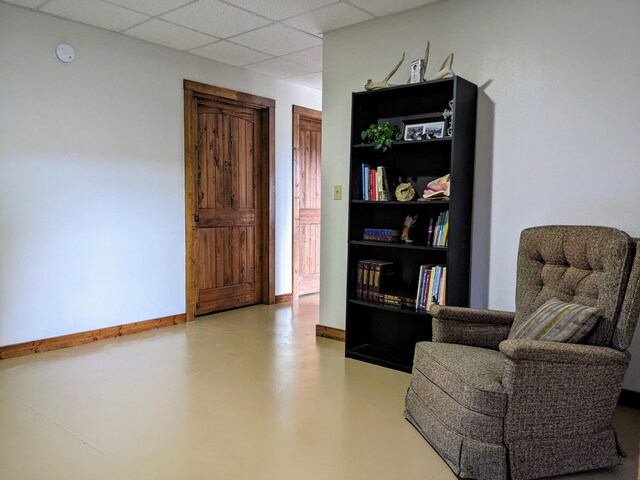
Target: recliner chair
{"type": "Point", "coordinates": [498, 408]}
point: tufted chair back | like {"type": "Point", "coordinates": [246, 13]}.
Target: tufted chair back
{"type": "Point", "coordinates": [578, 264]}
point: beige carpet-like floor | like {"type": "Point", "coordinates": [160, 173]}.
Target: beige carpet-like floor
{"type": "Point", "coordinates": [245, 394]}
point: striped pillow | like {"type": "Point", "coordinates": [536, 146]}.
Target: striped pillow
{"type": "Point", "coordinates": [558, 321]}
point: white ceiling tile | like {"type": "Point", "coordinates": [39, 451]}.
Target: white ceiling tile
{"type": "Point", "coordinates": [169, 35]}
{"type": "Point", "coordinates": [328, 18]}
{"type": "Point", "coordinates": [150, 7]}
{"type": "Point", "coordinates": [380, 8]}
{"type": "Point", "coordinates": [27, 3]}
{"type": "Point", "coordinates": [279, 9]}
{"type": "Point", "coordinates": [215, 18]}
{"type": "Point", "coordinates": [311, 58]}
{"type": "Point", "coordinates": [277, 39]}
{"type": "Point", "coordinates": [96, 13]}
{"type": "Point", "coordinates": [230, 53]}
{"type": "Point", "coordinates": [313, 81]}
{"type": "Point", "coordinates": [279, 68]}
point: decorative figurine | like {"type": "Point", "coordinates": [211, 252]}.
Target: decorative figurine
{"type": "Point", "coordinates": [409, 222]}
{"type": "Point", "coordinates": [405, 192]}
{"type": "Point", "coordinates": [438, 188]}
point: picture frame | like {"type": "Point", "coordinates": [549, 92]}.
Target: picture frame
{"type": "Point", "coordinates": [423, 131]}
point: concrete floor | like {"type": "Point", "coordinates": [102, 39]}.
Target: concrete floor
{"type": "Point", "coordinates": [250, 393]}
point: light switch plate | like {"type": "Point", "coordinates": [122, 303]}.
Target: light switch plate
{"type": "Point", "coordinates": [337, 192]}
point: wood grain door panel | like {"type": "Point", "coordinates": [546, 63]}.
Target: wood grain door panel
{"type": "Point", "coordinates": [307, 153]}
{"type": "Point", "coordinates": [228, 271]}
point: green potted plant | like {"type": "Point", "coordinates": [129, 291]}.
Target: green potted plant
{"type": "Point", "coordinates": [382, 136]}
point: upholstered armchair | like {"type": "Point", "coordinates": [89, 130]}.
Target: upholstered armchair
{"type": "Point", "coordinates": [496, 407]}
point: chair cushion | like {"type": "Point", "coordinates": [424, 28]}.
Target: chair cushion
{"type": "Point", "coordinates": [578, 264]}
{"type": "Point", "coordinates": [557, 321]}
{"type": "Point", "coordinates": [470, 375]}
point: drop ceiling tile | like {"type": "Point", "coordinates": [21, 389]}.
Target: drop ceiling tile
{"type": "Point", "coordinates": [311, 58]}
{"type": "Point", "coordinates": [313, 81]}
{"type": "Point", "coordinates": [380, 8]}
{"type": "Point", "coordinates": [96, 13]}
{"type": "Point", "coordinates": [279, 68]}
{"type": "Point", "coordinates": [215, 18]}
{"type": "Point", "coordinates": [277, 39]}
{"type": "Point", "coordinates": [328, 18]}
{"type": "Point", "coordinates": [150, 7]}
{"type": "Point", "coordinates": [279, 9]}
{"type": "Point", "coordinates": [230, 53]}
{"type": "Point", "coordinates": [27, 3]}
{"type": "Point", "coordinates": [169, 35]}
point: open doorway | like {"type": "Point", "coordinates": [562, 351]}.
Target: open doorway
{"type": "Point", "coordinates": [307, 135]}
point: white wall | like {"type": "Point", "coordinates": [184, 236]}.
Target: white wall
{"type": "Point", "coordinates": [92, 175]}
{"type": "Point", "coordinates": [558, 123]}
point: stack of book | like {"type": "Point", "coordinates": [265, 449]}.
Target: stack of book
{"type": "Point", "coordinates": [375, 185]}
{"type": "Point", "coordinates": [432, 286]}
{"type": "Point", "coordinates": [372, 278]}
{"type": "Point", "coordinates": [438, 233]}
{"type": "Point", "coordinates": [381, 234]}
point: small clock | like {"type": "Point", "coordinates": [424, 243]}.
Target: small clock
{"type": "Point", "coordinates": [65, 53]}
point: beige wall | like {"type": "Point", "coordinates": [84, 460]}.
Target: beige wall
{"type": "Point", "coordinates": [92, 175]}
{"type": "Point", "coordinates": [558, 123]}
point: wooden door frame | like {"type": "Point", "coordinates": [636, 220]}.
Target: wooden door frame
{"type": "Point", "coordinates": [266, 108]}
{"type": "Point", "coordinates": [297, 112]}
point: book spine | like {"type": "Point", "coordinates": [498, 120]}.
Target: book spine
{"type": "Point", "coordinates": [365, 279]}
{"type": "Point", "coordinates": [420, 280]}
{"type": "Point", "coordinates": [430, 233]}
{"type": "Point", "coordinates": [425, 288]}
{"type": "Point", "coordinates": [375, 297]}
{"type": "Point", "coordinates": [430, 289]}
{"type": "Point", "coordinates": [372, 273]}
{"type": "Point", "coordinates": [359, 280]}
{"type": "Point", "coordinates": [443, 287]}
{"type": "Point", "coordinates": [446, 228]}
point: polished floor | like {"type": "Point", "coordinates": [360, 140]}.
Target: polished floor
{"type": "Point", "coordinates": [245, 394]}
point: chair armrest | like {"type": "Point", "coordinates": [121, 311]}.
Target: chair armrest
{"type": "Point", "coordinates": [472, 315]}
{"type": "Point", "coordinates": [470, 326]}
{"type": "Point", "coordinates": [554, 352]}
{"type": "Point", "coordinates": [560, 390]}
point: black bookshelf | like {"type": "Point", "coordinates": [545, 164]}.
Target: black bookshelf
{"type": "Point", "coordinates": [384, 334]}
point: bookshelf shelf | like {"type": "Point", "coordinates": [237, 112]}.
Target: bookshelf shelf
{"type": "Point", "coordinates": [403, 143]}
{"type": "Point", "coordinates": [400, 245]}
{"type": "Point", "coordinates": [386, 334]}
{"type": "Point", "coordinates": [396, 202]}
{"type": "Point", "coordinates": [390, 308]}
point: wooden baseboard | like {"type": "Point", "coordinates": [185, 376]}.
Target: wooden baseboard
{"type": "Point", "coordinates": [285, 297]}
{"type": "Point", "coordinates": [36, 346]}
{"type": "Point", "coordinates": [330, 332]}
{"type": "Point", "coordinates": [629, 398]}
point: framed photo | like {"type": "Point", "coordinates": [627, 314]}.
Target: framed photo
{"type": "Point", "coordinates": [423, 131]}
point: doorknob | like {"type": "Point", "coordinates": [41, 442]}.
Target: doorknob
{"type": "Point", "coordinates": [196, 218]}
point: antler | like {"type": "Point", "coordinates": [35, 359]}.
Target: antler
{"type": "Point", "coordinates": [445, 70]}
{"type": "Point", "coordinates": [371, 85]}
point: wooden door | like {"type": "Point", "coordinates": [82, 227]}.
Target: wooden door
{"type": "Point", "coordinates": [229, 198]}
{"type": "Point", "coordinates": [228, 227]}
{"type": "Point", "coordinates": [307, 133]}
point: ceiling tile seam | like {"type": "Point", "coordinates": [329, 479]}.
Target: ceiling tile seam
{"type": "Point", "coordinates": [286, 18]}
{"type": "Point", "coordinates": [284, 60]}
{"type": "Point", "coordinates": [271, 54]}
{"type": "Point", "coordinates": [143, 13]}
{"type": "Point", "coordinates": [43, 4]}
{"type": "Point", "coordinates": [216, 39]}
{"type": "Point", "coordinates": [272, 21]}
{"type": "Point", "coordinates": [72, 20]}
{"type": "Point", "coordinates": [362, 10]}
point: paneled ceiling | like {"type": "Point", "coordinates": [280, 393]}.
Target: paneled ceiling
{"type": "Point", "coordinates": [278, 38]}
